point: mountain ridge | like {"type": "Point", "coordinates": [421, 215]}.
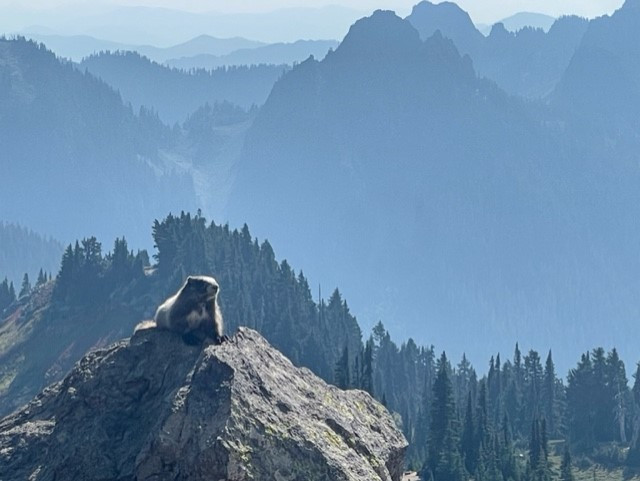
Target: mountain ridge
{"type": "Point", "coordinates": [451, 199]}
{"type": "Point", "coordinates": [82, 127]}
{"type": "Point", "coordinates": [277, 53]}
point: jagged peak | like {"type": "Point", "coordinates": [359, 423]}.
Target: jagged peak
{"type": "Point", "coordinates": [381, 34]}
{"type": "Point", "coordinates": [426, 7]}
{"type": "Point", "coordinates": [499, 30]}
{"type": "Point", "coordinates": [452, 21]}
{"type": "Point", "coordinates": [568, 23]}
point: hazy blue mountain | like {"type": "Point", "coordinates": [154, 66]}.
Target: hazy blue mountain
{"type": "Point", "coordinates": [76, 160]}
{"type": "Point", "coordinates": [276, 54]}
{"type": "Point", "coordinates": [201, 45]}
{"type": "Point", "coordinates": [450, 20]}
{"type": "Point", "coordinates": [441, 205]}
{"type": "Point", "coordinates": [600, 89]}
{"type": "Point", "coordinates": [519, 21]}
{"type": "Point", "coordinates": [174, 93]}
{"type": "Point", "coordinates": [163, 27]}
{"type": "Point", "coordinates": [528, 19]}
{"type": "Point", "coordinates": [77, 47]}
{"type": "Point", "coordinates": [24, 251]}
{"type": "Point", "coordinates": [213, 137]}
{"type": "Point", "coordinates": [528, 63]}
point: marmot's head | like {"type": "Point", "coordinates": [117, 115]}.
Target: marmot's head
{"type": "Point", "coordinates": [202, 287]}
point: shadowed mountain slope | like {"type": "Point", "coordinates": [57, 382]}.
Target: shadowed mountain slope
{"type": "Point", "coordinates": [276, 54]}
{"type": "Point", "coordinates": [439, 204]}
{"type": "Point", "coordinates": [452, 22]}
{"type": "Point", "coordinates": [72, 147]}
{"type": "Point", "coordinates": [528, 62]}
{"type": "Point", "coordinates": [175, 94]}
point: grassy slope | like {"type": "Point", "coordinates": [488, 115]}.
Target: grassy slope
{"type": "Point", "coordinates": [596, 472]}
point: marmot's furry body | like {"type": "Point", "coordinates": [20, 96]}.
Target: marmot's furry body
{"type": "Point", "coordinates": [193, 311]}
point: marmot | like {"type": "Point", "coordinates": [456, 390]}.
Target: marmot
{"type": "Point", "coordinates": [193, 312]}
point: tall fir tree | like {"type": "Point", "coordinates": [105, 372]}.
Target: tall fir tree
{"type": "Point", "coordinates": [25, 288]}
{"type": "Point", "coordinates": [42, 278]}
{"type": "Point", "coordinates": [7, 294]}
{"type": "Point", "coordinates": [581, 404]}
{"type": "Point", "coordinates": [468, 438]}
{"type": "Point", "coordinates": [549, 396]}
{"type": "Point", "coordinates": [538, 466]}
{"type": "Point", "coordinates": [633, 457]}
{"type": "Point", "coordinates": [566, 469]}
{"type": "Point", "coordinates": [619, 391]}
{"type": "Point", "coordinates": [444, 459]}
{"type": "Point", "coordinates": [366, 379]}
{"type": "Point", "coordinates": [342, 378]}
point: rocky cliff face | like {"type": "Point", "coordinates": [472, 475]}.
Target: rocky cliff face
{"type": "Point", "coordinates": [153, 408]}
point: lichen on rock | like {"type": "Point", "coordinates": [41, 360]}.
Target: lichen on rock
{"type": "Point", "coordinates": [153, 408]}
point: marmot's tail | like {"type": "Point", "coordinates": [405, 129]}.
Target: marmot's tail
{"type": "Point", "coordinates": [145, 325]}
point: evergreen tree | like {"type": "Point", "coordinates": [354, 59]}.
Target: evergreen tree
{"type": "Point", "coordinates": [366, 381]}
{"type": "Point", "coordinates": [566, 471]}
{"type": "Point", "coordinates": [517, 363]}
{"type": "Point", "coordinates": [532, 385]}
{"type": "Point", "coordinates": [494, 381]}
{"type": "Point", "coordinates": [512, 399]}
{"type": "Point", "coordinates": [468, 439]}
{"type": "Point", "coordinates": [549, 396]}
{"type": "Point", "coordinates": [604, 398]}
{"type": "Point", "coordinates": [482, 418]}
{"type": "Point", "coordinates": [7, 295]}
{"type": "Point", "coordinates": [633, 457]}
{"type": "Point", "coordinates": [25, 288]}
{"type": "Point", "coordinates": [341, 374]}
{"type": "Point", "coordinates": [449, 466]}
{"type": "Point", "coordinates": [581, 404]}
{"type": "Point", "coordinates": [538, 453]}
{"type": "Point", "coordinates": [421, 438]}
{"type": "Point", "coordinates": [618, 390]}
{"type": "Point", "coordinates": [510, 470]}
{"type": "Point", "coordinates": [444, 459]}
{"type": "Point", "coordinates": [42, 278]}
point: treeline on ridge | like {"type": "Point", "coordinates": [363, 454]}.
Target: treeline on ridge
{"type": "Point", "coordinates": [457, 422]}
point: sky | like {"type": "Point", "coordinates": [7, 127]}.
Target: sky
{"type": "Point", "coordinates": [17, 16]}
{"type": "Point", "coordinates": [481, 10]}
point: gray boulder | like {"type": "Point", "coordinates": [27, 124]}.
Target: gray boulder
{"type": "Point", "coordinates": [153, 408]}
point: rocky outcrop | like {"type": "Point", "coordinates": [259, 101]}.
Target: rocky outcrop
{"type": "Point", "coordinates": [153, 408]}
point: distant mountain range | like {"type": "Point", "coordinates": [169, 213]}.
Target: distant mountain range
{"type": "Point", "coordinates": [527, 63]}
{"type": "Point", "coordinates": [466, 190]}
{"type": "Point", "coordinates": [447, 207]}
{"type": "Point", "coordinates": [175, 94]}
{"type": "Point", "coordinates": [77, 47]}
{"type": "Point", "coordinates": [203, 52]}
{"type": "Point", "coordinates": [24, 251]}
{"type": "Point", "coordinates": [76, 157]}
{"type": "Point", "coordinates": [139, 25]}
{"type": "Point", "coordinates": [276, 54]}
{"type": "Point", "coordinates": [522, 20]}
